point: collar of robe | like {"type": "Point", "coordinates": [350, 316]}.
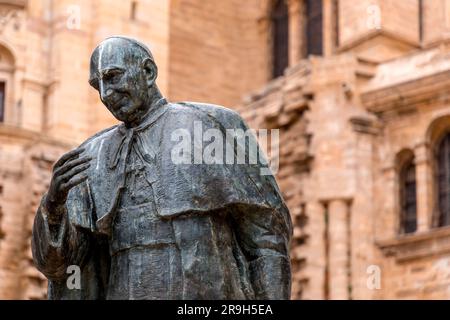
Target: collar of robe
{"type": "Point", "coordinates": [131, 137]}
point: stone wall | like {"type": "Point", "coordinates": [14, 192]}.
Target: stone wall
{"type": "Point", "coordinates": [218, 50]}
{"type": "Point", "coordinates": [24, 174]}
{"type": "Point", "coordinates": [344, 123]}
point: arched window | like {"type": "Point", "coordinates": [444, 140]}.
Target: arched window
{"type": "Point", "coordinates": [280, 29]}
{"type": "Point", "coordinates": [443, 181]}
{"type": "Point", "coordinates": [408, 199]}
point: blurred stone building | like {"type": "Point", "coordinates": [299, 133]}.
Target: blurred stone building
{"type": "Point", "coordinates": [358, 89]}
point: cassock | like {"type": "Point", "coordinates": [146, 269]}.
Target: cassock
{"type": "Point", "coordinates": [143, 226]}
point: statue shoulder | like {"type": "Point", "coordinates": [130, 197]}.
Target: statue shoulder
{"type": "Point", "coordinates": [205, 111]}
{"type": "Point", "coordinates": [96, 139]}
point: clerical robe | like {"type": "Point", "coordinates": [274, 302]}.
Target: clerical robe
{"type": "Point", "coordinates": [143, 226]}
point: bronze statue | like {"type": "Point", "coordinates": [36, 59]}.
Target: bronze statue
{"type": "Point", "coordinates": [141, 224]}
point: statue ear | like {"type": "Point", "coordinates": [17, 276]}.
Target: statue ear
{"type": "Point", "coordinates": [151, 71]}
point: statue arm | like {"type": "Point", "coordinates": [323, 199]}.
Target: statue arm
{"type": "Point", "coordinates": [55, 246]}
{"type": "Point", "coordinates": [264, 239]}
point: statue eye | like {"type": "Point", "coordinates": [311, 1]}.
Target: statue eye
{"type": "Point", "coordinates": [113, 75]}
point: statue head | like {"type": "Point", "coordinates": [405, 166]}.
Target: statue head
{"type": "Point", "coordinates": [124, 72]}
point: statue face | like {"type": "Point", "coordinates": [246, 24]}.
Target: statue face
{"type": "Point", "coordinates": [122, 78]}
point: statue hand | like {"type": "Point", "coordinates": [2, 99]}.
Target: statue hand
{"type": "Point", "coordinates": [68, 172]}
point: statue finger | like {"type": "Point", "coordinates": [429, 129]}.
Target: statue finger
{"type": "Point", "coordinates": [74, 171]}
{"type": "Point", "coordinates": [55, 189]}
{"type": "Point", "coordinates": [71, 164]}
{"type": "Point", "coordinates": [69, 155]}
{"type": "Point", "coordinates": [73, 182]}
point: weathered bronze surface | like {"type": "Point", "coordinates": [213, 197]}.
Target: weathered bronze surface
{"type": "Point", "coordinates": [140, 225]}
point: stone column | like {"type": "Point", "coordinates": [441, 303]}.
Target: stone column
{"type": "Point", "coordinates": [424, 187]}
{"type": "Point", "coordinates": [315, 252]}
{"type": "Point", "coordinates": [12, 245]}
{"type": "Point", "coordinates": [338, 261]}
{"type": "Point", "coordinates": [295, 31]}
{"type": "Point", "coordinates": [329, 27]}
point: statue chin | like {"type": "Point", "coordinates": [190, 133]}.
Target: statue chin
{"type": "Point", "coordinates": [121, 114]}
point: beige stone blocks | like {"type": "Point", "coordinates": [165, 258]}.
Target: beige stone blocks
{"type": "Point", "coordinates": [343, 120]}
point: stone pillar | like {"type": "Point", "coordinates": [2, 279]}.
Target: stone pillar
{"type": "Point", "coordinates": [11, 253]}
{"type": "Point", "coordinates": [424, 187]}
{"type": "Point", "coordinates": [329, 27]}
{"type": "Point", "coordinates": [338, 259]}
{"type": "Point", "coordinates": [315, 252]}
{"type": "Point", "coordinates": [295, 31]}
